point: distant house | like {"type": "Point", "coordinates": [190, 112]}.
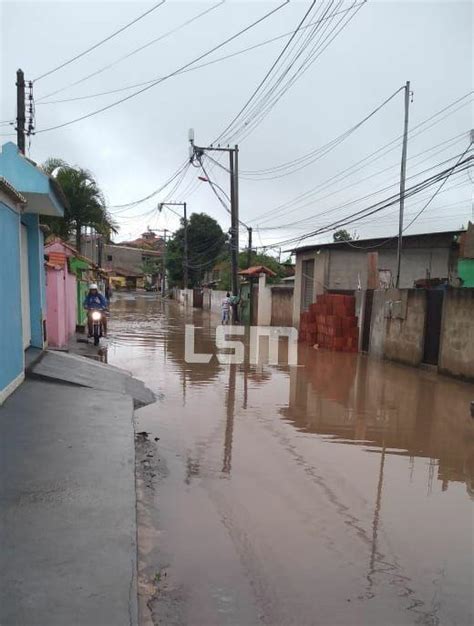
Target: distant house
{"type": "Point", "coordinates": [128, 263]}
{"type": "Point", "coordinates": [347, 266]}
{"type": "Point", "coordinates": [25, 193]}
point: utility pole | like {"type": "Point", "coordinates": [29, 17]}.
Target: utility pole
{"type": "Point", "coordinates": [185, 224]}
{"type": "Point", "coordinates": [163, 280]}
{"type": "Point", "coordinates": [249, 249]}
{"type": "Point", "coordinates": [198, 151]}
{"type": "Point", "coordinates": [20, 110]}
{"type": "Point", "coordinates": [403, 170]}
{"type": "Point", "coordinates": [250, 279]}
{"type": "Point", "coordinates": [234, 226]}
{"type": "Point", "coordinates": [185, 269]}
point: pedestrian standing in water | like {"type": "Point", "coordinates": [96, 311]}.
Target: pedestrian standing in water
{"type": "Point", "coordinates": [225, 308]}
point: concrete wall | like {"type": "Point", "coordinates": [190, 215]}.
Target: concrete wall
{"type": "Point", "coordinates": [11, 335]}
{"type": "Point", "coordinates": [349, 267]}
{"type": "Point", "coordinates": [37, 278]}
{"type": "Point", "coordinates": [264, 316]}
{"type": "Point", "coordinates": [282, 305]}
{"type": "Point", "coordinates": [377, 324]}
{"type": "Point", "coordinates": [320, 281]}
{"type": "Point", "coordinates": [405, 334]}
{"type": "Point", "coordinates": [457, 334]}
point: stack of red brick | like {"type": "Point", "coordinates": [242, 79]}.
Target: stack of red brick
{"type": "Point", "coordinates": [331, 323]}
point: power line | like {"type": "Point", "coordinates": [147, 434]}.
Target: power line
{"type": "Point", "coordinates": [191, 69]}
{"type": "Point", "coordinates": [264, 79]}
{"type": "Point", "coordinates": [379, 206]}
{"type": "Point", "coordinates": [314, 155]}
{"type": "Point", "coordinates": [374, 174]}
{"type": "Point", "coordinates": [135, 51]}
{"type": "Point", "coordinates": [266, 104]}
{"type": "Point", "coordinates": [100, 43]}
{"type": "Point", "coordinates": [184, 166]}
{"type": "Point", "coordinates": [364, 162]}
{"type": "Point", "coordinates": [136, 93]}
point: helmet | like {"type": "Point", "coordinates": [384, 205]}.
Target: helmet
{"type": "Point", "coordinates": [93, 286]}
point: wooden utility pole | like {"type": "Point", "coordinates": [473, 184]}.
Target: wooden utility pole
{"type": "Point", "coordinates": [402, 182]}
{"type": "Point", "coordinates": [20, 110]}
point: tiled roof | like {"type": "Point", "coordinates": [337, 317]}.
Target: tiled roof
{"type": "Point", "coordinates": [11, 192]}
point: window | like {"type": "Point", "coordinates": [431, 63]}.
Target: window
{"type": "Point", "coordinates": [109, 257]}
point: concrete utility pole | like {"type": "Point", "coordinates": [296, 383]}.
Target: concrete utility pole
{"type": "Point", "coordinates": [402, 182]}
{"type": "Point", "coordinates": [249, 249]}
{"type": "Point", "coordinates": [198, 151]}
{"type": "Point", "coordinates": [163, 282]}
{"type": "Point", "coordinates": [20, 110]}
{"type": "Point", "coordinates": [185, 224]}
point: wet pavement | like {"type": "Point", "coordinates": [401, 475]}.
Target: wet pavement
{"type": "Point", "coordinates": [337, 492]}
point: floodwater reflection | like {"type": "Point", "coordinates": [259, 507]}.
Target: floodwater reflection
{"type": "Point", "coordinates": [335, 492]}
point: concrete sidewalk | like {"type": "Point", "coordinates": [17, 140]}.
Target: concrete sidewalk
{"type": "Point", "coordinates": [78, 370]}
{"type": "Point", "coordinates": [68, 515]}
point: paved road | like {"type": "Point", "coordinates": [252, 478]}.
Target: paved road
{"type": "Point", "coordinates": [338, 492]}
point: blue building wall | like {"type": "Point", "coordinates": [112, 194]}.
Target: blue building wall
{"type": "Point", "coordinates": [26, 177]}
{"type": "Point", "coordinates": [37, 277]}
{"type": "Point", "coordinates": [11, 338]}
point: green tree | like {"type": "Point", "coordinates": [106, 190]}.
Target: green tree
{"type": "Point", "coordinates": [342, 235]}
{"type": "Point", "coordinates": [206, 243]}
{"type": "Point", "coordinates": [256, 259]}
{"type": "Point", "coordinates": [87, 206]}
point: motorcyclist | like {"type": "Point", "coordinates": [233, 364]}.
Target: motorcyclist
{"type": "Point", "coordinates": [95, 301]}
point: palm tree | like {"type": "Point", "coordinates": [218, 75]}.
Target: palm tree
{"type": "Point", "coordinates": [87, 206]}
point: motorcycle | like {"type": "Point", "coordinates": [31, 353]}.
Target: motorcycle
{"type": "Point", "coordinates": [97, 325]}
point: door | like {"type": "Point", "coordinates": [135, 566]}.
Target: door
{"type": "Point", "coordinates": [307, 284]}
{"type": "Point", "coordinates": [434, 309]}
{"type": "Point", "coordinates": [25, 288]}
{"type": "Point", "coordinates": [369, 298]}
{"type": "Point", "coordinates": [197, 298]}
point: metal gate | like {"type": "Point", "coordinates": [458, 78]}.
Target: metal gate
{"type": "Point", "coordinates": [198, 298]}
{"type": "Point", "coordinates": [369, 298]}
{"type": "Point", "coordinates": [308, 284]}
{"type": "Point", "coordinates": [434, 310]}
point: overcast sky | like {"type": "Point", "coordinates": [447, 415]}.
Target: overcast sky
{"type": "Point", "coordinates": [134, 147]}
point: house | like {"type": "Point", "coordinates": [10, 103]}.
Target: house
{"type": "Point", "coordinates": [466, 257]}
{"type": "Point", "coordinates": [25, 193]}
{"type": "Point", "coordinates": [129, 263]}
{"type": "Point", "coordinates": [68, 275]}
{"type": "Point", "coordinates": [348, 266]}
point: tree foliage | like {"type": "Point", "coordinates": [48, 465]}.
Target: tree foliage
{"type": "Point", "coordinates": [342, 235]}
{"type": "Point", "coordinates": [269, 261]}
{"type": "Point", "coordinates": [206, 243]}
{"type": "Point", "coordinates": [87, 206]}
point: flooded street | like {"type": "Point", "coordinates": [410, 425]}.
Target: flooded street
{"type": "Point", "coordinates": [337, 492]}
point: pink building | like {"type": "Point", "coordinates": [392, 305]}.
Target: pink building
{"type": "Point", "coordinates": [61, 293]}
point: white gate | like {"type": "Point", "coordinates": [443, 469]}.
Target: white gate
{"type": "Point", "coordinates": [25, 289]}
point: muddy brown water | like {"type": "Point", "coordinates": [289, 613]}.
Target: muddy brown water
{"type": "Point", "coordinates": [337, 492]}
